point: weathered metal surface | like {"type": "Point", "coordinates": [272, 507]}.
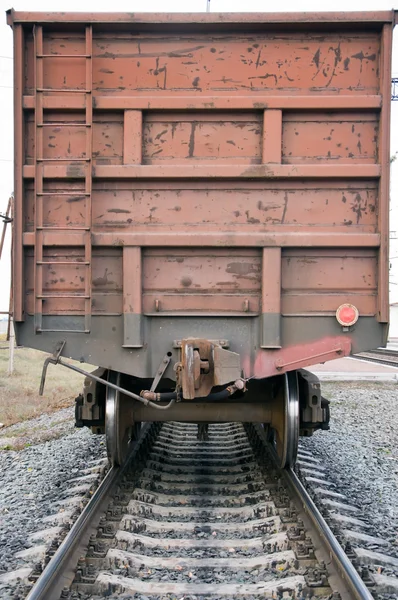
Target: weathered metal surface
{"type": "Point", "coordinates": [192, 412]}
{"type": "Point", "coordinates": [204, 169]}
{"type": "Point", "coordinates": [203, 366]}
{"type": "Point", "coordinates": [222, 19]}
{"type": "Point", "coordinates": [104, 345]}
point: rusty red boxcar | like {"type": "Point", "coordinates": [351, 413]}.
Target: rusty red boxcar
{"type": "Point", "coordinates": [201, 208]}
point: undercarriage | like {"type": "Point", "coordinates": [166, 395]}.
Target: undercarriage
{"type": "Point", "coordinates": [209, 387]}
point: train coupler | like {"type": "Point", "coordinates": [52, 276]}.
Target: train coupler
{"type": "Point", "coordinates": [205, 364]}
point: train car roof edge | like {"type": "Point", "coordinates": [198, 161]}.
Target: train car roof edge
{"type": "Point", "coordinates": [365, 17]}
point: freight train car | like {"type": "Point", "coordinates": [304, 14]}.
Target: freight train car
{"type": "Point", "coordinates": [201, 210]}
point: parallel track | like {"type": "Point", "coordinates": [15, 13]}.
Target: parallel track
{"type": "Point", "coordinates": [383, 356]}
{"type": "Point", "coordinates": [201, 519]}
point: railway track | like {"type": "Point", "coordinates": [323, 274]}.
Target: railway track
{"type": "Point", "coordinates": [200, 519]}
{"type": "Point", "coordinates": [383, 356]}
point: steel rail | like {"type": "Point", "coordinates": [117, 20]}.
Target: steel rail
{"type": "Point", "coordinates": [344, 566]}
{"type": "Point", "coordinates": [379, 351]}
{"type": "Point", "coordinates": [48, 585]}
{"type": "Point", "coordinates": [380, 356]}
{"type": "Point", "coordinates": [56, 575]}
{"type": "Point", "coordinates": [385, 351]}
{"type": "Point", "coordinates": [380, 361]}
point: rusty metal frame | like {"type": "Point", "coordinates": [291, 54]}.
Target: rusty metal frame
{"type": "Point", "coordinates": [275, 171]}
{"type": "Point", "coordinates": [132, 297]}
{"type": "Point", "coordinates": [322, 237]}
{"type": "Point", "coordinates": [222, 101]}
{"type": "Point", "coordinates": [306, 18]}
{"type": "Point", "coordinates": [384, 182]}
{"type": "Point", "coordinates": [17, 266]}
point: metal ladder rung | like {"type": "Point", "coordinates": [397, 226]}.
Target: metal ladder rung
{"type": "Point", "coordinates": [45, 296]}
{"type": "Point", "coordinates": [64, 56]}
{"type": "Point", "coordinates": [63, 124]}
{"type": "Point", "coordinates": [63, 91]}
{"type": "Point", "coordinates": [69, 160]}
{"type": "Point", "coordinates": [63, 262]}
{"type": "Point", "coordinates": [55, 193]}
{"type": "Point", "coordinates": [56, 228]}
{"type": "Point", "coordinates": [40, 330]}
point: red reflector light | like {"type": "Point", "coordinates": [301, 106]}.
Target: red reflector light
{"type": "Point", "coordinates": [347, 314]}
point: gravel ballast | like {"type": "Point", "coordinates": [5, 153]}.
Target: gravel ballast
{"type": "Point", "coordinates": [34, 481]}
{"type": "Point", "coordinates": [360, 452]}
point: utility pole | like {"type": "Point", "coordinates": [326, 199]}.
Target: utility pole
{"type": "Point", "coordinates": [8, 218]}
{"type": "Point", "coordinates": [207, 5]}
{"type": "Point", "coordinates": [10, 369]}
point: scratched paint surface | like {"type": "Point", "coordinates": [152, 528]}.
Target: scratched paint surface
{"type": "Point", "coordinates": [202, 64]}
{"type": "Point", "coordinates": [251, 206]}
{"type": "Point", "coordinates": [69, 142]}
{"type": "Point", "coordinates": [299, 63]}
{"type": "Point", "coordinates": [177, 138]}
{"type": "Point", "coordinates": [342, 138]}
{"type": "Point", "coordinates": [315, 280]}
{"type": "Point", "coordinates": [191, 279]}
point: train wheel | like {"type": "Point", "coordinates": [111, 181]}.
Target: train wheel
{"type": "Point", "coordinates": [284, 430]}
{"type": "Point", "coordinates": [120, 431]}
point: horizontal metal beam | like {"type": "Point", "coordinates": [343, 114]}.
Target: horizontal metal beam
{"type": "Point", "coordinates": [200, 171]}
{"type": "Point", "coordinates": [305, 238]}
{"type": "Point", "coordinates": [372, 17]}
{"type": "Point", "coordinates": [192, 412]}
{"type": "Point", "coordinates": [222, 101]}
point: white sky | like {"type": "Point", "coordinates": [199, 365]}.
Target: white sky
{"type": "Point", "coordinates": [6, 80]}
